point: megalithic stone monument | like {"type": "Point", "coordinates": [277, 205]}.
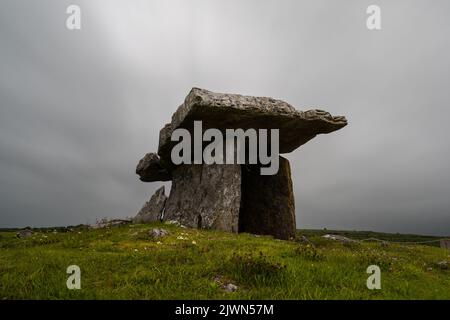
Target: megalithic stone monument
{"type": "Point", "coordinates": [234, 197]}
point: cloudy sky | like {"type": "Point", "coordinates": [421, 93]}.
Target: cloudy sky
{"type": "Point", "coordinates": [78, 109]}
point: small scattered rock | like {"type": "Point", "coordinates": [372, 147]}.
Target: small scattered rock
{"type": "Point", "coordinates": [230, 287]}
{"type": "Point", "coordinates": [174, 222]}
{"type": "Point", "coordinates": [158, 233]}
{"type": "Point", "coordinates": [106, 223]}
{"type": "Point", "coordinates": [304, 239]}
{"type": "Point", "coordinates": [384, 244]}
{"type": "Point", "coordinates": [444, 265]}
{"type": "Point", "coordinates": [24, 233]}
{"type": "Point", "coordinates": [337, 238]}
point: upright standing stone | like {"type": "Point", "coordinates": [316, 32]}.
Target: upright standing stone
{"type": "Point", "coordinates": [268, 205]}
{"type": "Point", "coordinates": [205, 196]}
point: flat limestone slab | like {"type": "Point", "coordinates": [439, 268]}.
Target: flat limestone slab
{"type": "Point", "coordinates": [233, 111]}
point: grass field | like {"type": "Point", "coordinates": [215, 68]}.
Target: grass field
{"type": "Point", "coordinates": [125, 263]}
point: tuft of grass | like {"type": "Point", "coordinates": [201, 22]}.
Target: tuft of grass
{"type": "Point", "coordinates": [249, 268]}
{"type": "Point", "coordinates": [309, 252]}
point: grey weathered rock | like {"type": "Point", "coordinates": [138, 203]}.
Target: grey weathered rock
{"type": "Point", "coordinates": [444, 265]}
{"type": "Point", "coordinates": [25, 233]}
{"type": "Point", "coordinates": [304, 239]}
{"type": "Point", "coordinates": [228, 111]}
{"type": "Point", "coordinates": [152, 210]}
{"type": "Point", "coordinates": [227, 286]}
{"type": "Point", "coordinates": [233, 198]}
{"type": "Point", "coordinates": [151, 168]}
{"type": "Point", "coordinates": [230, 287]}
{"type": "Point", "coordinates": [108, 223]}
{"type": "Point", "coordinates": [158, 233]}
{"type": "Point", "coordinates": [268, 205]}
{"type": "Point", "coordinates": [205, 196]}
{"type": "Point", "coordinates": [338, 238]}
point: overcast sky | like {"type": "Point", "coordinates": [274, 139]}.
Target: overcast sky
{"type": "Point", "coordinates": [78, 109]}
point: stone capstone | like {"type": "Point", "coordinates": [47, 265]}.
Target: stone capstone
{"type": "Point", "coordinates": [232, 111]}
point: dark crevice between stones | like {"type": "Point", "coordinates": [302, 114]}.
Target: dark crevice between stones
{"type": "Point", "coordinates": [199, 221]}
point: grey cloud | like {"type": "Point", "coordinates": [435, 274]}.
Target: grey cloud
{"type": "Point", "coordinates": [79, 108]}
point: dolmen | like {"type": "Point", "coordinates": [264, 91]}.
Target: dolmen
{"type": "Point", "coordinates": [224, 195]}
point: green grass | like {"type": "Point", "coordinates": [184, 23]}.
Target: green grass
{"type": "Point", "coordinates": [124, 263]}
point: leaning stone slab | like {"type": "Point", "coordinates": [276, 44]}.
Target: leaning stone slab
{"type": "Point", "coordinates": [205, 196]}
{"type": "Point", "coordinates": [152, 210]}
{"type": "Point", "coordinates": [233, 111]}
